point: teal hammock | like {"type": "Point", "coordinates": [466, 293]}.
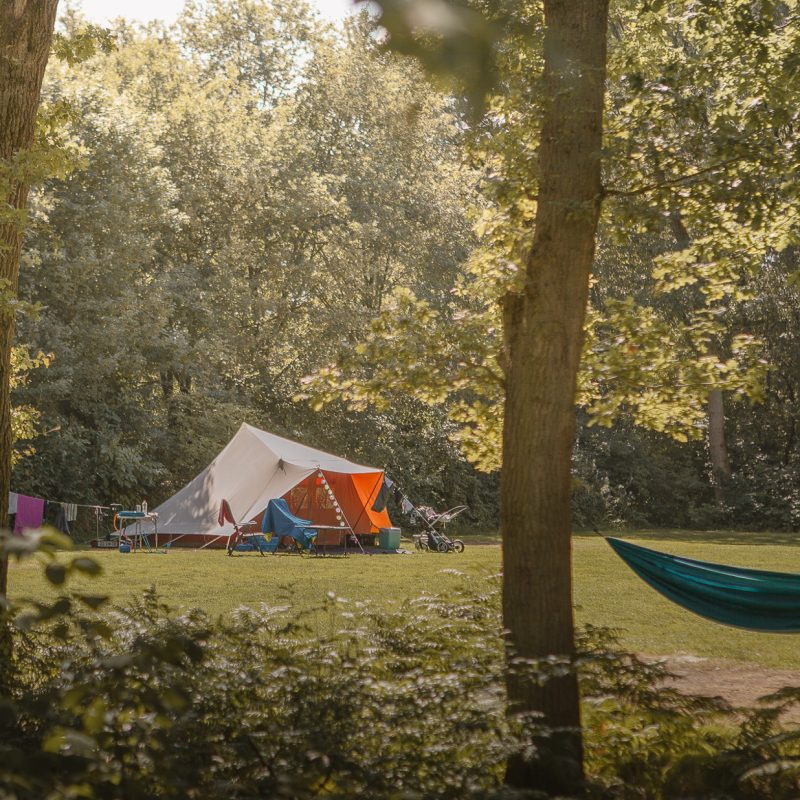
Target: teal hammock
{"type": "Point", "coordinates": [745, 598]}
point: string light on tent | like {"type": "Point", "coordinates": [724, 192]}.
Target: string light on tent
{"type": "Point", "coordinates": [323, 481]}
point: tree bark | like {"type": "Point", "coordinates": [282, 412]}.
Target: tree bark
{"type": "Point", "coordinates": [543, 326]}
{"type": "Point", "coordinates": [26, 33]}
{"type": "Point", "coordinates": [717, 444]}
{"type": "Point", "coordinates": [718, 448]}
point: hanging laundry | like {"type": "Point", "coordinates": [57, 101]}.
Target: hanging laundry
{"type": "Point", "coordinates": [381, 499]}
{"type": "Point", "coordinates": [388, 481]}
{"type": "Point", "coordinates": [12, 502]}
{"type": "Point", "coordinates": [397, 495]}
{"type": "Point", "coordinates": [71, 510]}
{"type": "Point", "coordinates": [60, 523]}
{"type": "Point", "coordinates": [30, 511]}
{"type": "Point", "coordinates": [405, 506]}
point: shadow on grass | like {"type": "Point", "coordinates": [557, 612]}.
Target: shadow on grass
{"type": "Point", "coordinates": [782, 538]}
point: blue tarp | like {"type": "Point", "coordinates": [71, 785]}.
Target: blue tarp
{"type": "Point", "coordinates": [745, 598]}
{"type": "Point", "coordinates": [254, 544]}
{"type": "Point", "coordinates": [279, 521]}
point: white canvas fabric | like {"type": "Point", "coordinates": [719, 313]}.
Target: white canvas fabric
{"type": "Point", "coordinates": [253, 468]}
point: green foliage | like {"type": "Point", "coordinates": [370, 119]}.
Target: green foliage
{"type": "Point", "coordinates": [260, 45]}
{"type": "Point", "coordinates": [349, 699]}
{"type": "Point", "coordinates": [239, 214]}
{"type": "Point", "coordinates": [80, 40]}
{"type": "Point", "coordinates": [659, 374]}
{"type": "Point", "coordinates": [245, 200]}
{"type": "Point", "coordinates": [685, 170]}
{"type": "Point", "coordinates": [451, 39]}
{"type": "Point", "coordinates": [24, 418]}
{"type": "Point", "coordinates": [52, 154]}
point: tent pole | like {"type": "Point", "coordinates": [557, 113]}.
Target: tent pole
{"type": "Point", "coordinates": [215, 539]}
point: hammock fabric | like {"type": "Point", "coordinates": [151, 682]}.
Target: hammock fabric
{"type": "Point", "coordinates": [745, 598]}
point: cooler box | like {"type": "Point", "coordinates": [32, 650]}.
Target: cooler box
{"type": "Point", "coordinates": [389, 538]}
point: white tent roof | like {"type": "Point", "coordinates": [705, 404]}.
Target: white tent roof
{"type": "Point", "coordinates": [253, 468]}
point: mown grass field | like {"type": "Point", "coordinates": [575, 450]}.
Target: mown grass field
{"type": "Point", "coordinates": [606, 592]}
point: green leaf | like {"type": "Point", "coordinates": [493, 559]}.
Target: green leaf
{"type": "Point", "coordinates": [86, 565]}
{"type": "Point", "coordinates": [56, 573]}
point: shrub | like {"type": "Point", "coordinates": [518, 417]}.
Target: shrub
{"type": "Point", "coordinates": [348, 701]}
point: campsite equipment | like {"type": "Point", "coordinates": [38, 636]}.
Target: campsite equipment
{"type": "Point", "coordinates": [434, 537]}
{"type": "Point", "coordinates": [243, 537]}
{"type": "Point", "coordinates": [129, 527]}
{"type": "Point", "coordinates": [255, 467]}
{"type": "Point", "coordinates": [280, 522]}
{"type": "Point", "coordinates": [389, 538]}
{"type": "Point", "coordinates": [754, 599]}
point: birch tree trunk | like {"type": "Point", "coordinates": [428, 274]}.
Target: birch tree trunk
{"type": "Point", "coordinates": [26, 33]}
{"type": "Point", "coordinates": [543, 327]}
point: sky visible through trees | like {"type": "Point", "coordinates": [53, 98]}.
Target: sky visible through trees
{"type": "Point", "coordinates": [102, 11]}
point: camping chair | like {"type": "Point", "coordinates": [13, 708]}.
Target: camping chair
{"type": "Point", "coordinates": [241, 533]}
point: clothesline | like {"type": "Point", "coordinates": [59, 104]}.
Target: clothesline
{"type": "Point", "coordinates": [64, 502]}
{"type": "Point", "coordinates": [29, 512]}
{"type": "Point", "coordinates": [388, 488]}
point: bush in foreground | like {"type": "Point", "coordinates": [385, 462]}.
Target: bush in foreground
{"type": "Point", "coordinates": [348, 701]}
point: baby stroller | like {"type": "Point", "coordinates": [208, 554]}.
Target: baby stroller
{"type": "Point", "coordinates": [434, 536]}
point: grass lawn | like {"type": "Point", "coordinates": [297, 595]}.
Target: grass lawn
{"type": "Point", "coordinates": [606, 591]}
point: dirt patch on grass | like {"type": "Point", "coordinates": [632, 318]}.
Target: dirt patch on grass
{"type": "Point", "coordinates": [739, 683]}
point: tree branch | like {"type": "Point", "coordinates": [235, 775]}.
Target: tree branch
{"type": "Point", "coordinates": [652, 187]}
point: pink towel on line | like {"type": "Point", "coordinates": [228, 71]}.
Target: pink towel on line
{"type": "Point", "coordinates": [30, 511]}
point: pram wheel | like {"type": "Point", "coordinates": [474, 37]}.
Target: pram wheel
{"type": "Point", "coordinates": [443, 547]}
{"type": "Point", "coordinates": [458, 546]}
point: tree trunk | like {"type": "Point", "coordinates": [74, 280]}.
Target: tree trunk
{"type": "Point", "coordinates": [720, 465]}
{"type": "Point", "coordinates": [26, 33]}
{"type": "Point", "coordinates": [718, 448]}
{"type": "Point", "coordinates": [543, 326]}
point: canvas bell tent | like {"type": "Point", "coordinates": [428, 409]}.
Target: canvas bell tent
{"type": "Point", "coordinates": [256, 467]}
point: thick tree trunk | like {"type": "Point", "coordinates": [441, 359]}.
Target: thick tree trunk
{"type": "Point", "coordinates": [718, 448]}
{"type": "Point", "coordinates": [543, 333]}
{"type": "Point", "coordinates": [26, 33]}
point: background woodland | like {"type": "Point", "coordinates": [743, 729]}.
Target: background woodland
{"type": "Point", "coordinates": [254, 198]}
